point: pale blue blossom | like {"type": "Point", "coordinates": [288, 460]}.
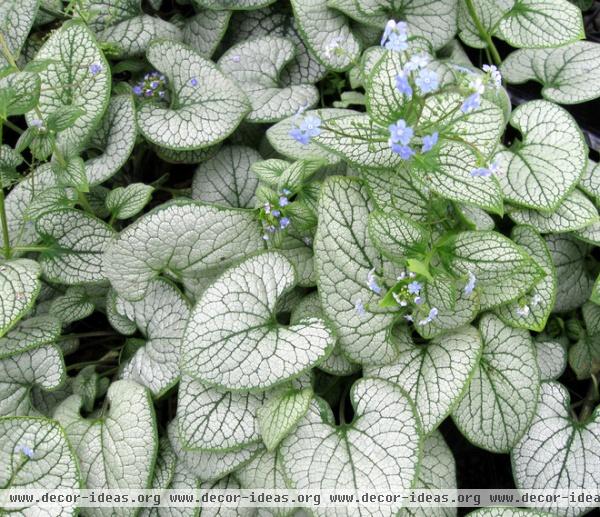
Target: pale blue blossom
{"type": "Point", "coordinates": [308, 128]}
{"type": "Point", "coordinates": [283, 201]}
{"type": "Point", "coordinates": [275, 213]}
{"type": "Point", "coordinates": [36, 122]}
{"type": "Point", "coordinates": [433, 312]}
{"type": "Point", "coordinates": [470, 285]}
{"type": "Point", "coordinates": [472, 102]}
{"type": "Point", "coordinates": [414, 287]}
{"type": "Point", "coordinates": [193, 81]}
{"type": "Point", "coordinates": [402, 84]}
{"type": "Point", "coordinates": [481, 172]}
{"type": "Point", "coordinates": [395, 36]}
{"type": "Point", "coordinates": [523, 311]}
{"type": "Point", "coordinates": [372, 282]}
{"type": "Point", "coordinates": [417, 62]}
{"type": "Point", "coordinates": [429, 141]}
{"type": "Point", "coordinates": [427, 80]}
{"type": "Point", "coordinates": [284, 223]}
{"type": "Point", "coordinates": [418, 300]}
{"type": "Point", "coordinates": [404, 151]}
{"type": "Point", "coordinates": [400, 132]}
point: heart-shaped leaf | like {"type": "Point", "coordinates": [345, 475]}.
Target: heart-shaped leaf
{"type": "Point", "coordinates": [379, 449]}
{"type": "Point", "coordinates": [116, 137]}
{"type": "Point", "coordinates": [233, 340]}
{"type": "Point", "coordinates": [161, 317]}
{"type": "Point", "coordinates": [24, 88]}
{"type": "Point", "coordinates": [280, 414]}
{"type": "Point", "coordinates": [183, 239]}
{"type": "Point", "coordinates": [206, 106]}
{"type": "Point", "coordinates": [551, 359]}
{"type": "Point", "coordinates": [117, 447]}
{"type": "Point", "coordinates": [19, 287]}
{"type": "Point", "coordinates": [542, 169]}
{"type": "Point", "coordinates": [256, 65]}
{"type": "Point", "coordinates": [125, 202]}
{"type": "Point", "coordinates": [569, 74]}
{"type": "Point", "coordinates": [211, 419]}
{"type": "Point", "coordinates": [541, 23]}
{"type": "Point", "coordinates": [73, 79]}
{"type": "Point", "coordinates": [394, 234]}
{"type": "Point", "coordinates": [226, 179]}
{"type": "Point", "coordinates": [549, 456]}
{"type": "Point", "coordinates": [539, 302]}
{"type": "Point", "coordinates": [43, 367]}
{"type": "Point", "coordinates": [434, 375]}
{"type": "Point", "coordinates": [344, 255]}
{"type": "Point", "coordinates": [37, 455]}
{"type": "Point", "coordinates": [81, 240]}
{"type": "Point", "coordinates": [501, 398]}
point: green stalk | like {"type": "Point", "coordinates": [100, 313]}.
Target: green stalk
{"type": "Point", "coordinates": [483, 33]}
{"type": "Point", "coordinates": [3, 219]}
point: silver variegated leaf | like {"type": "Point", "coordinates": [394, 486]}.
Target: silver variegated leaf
{"type": "Point", "coordinates": [30, 333]}
{"type": "Point", "coordinates": [72, 306]}
{"type": "Point", "coordinates": [231, 340]}
{"type": "Point", "coordinates": [377, 451]}
{"type": "Point", "coordinates": [569, 74]}
{"type": "Point", "coordinates": [37, 455]}
{"type": "Point", "coordinates": [215, 420]}
{"type": "Point", "coordinates": [116, 137]}
{"type": "Point", "coordinates": [532, 312]}
{"type": "Point", "coordinates": [125, 202]}
{"type": "Point", "coordinates": [549, 161]}
{"type": "Point", "coordinates": [557, 452]}
{"type": "Point", "coordinates": [344, 255]}
{"type": "Point", "coordinates": [204, 31]}
{"type": "Point", "coordinates": [184, 240]}
{"type": "Point", "coordinates": [256, 66]}
{"type": "Point", "coordinates": [82, 240]}
{"type": "Point", "coordinates": [206, 106]}
{"type": "Point", "coordinates": [16, 19]}
{"type": "Point", "coordinates": [74, 56]}
{"type": "Point", "coordinates": [19, 287]}
{"type": "Point", "coordinates": [226, 179]}
{"type": "Point", "coordinates": [117, 447]}
{"type": "Point", "coordinates": [499, 402]}
{"type": "Point", "coordinates": [434, 375]}
{"type": "Point", "coordinates": [161, 317]}
{"type": "Point", "coordinates": [551, 359]}
{"type": "Point", "coordinates": [43, 367]}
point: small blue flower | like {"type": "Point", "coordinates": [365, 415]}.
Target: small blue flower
{"type": "Point", "coordinates": [418, 300]}
{"type": "Point", "coordinates": [161, 94]}
{"type": "Point", "coordinates": [372, 282]}
{"type": "Point", "coordinates": [427, 81]}
{"type": "Point", "coordinates": [395, 36]}
{"type": "Point", "coordinates": [284, 223]}
{"type": "Point", "coordinates": [481, 172]}
{"type": "Point", "coordinates": [95, 68]}
{"type": "Point", "coordinates": [429, 141]}
{"type": "Point", "coordinates": [193, 81]}
{"type": "Point", "coordinates": [471, 103]}
{"type": "Point", "coordinates": [404, 151]}
{"type": "Point", "coordinates": [36, 122]}
{"type": "Point", "coordinates": [417, 62]}
{"type": "Point", "coordinates": [494, 74]}
{"type": "Point", "coordinates": [148, 93]}
{"type": "Point", "coordinates": [403, 85]}
{"type": "Point", "coordinates": [470, 285]}
{"type": "Point", "coordinates": [400, 133]}
{"type": "Point", "coordinates": [137, 89]}
{"type": "Point", "coordinates": [359, 307]}
{"type": "Point", "coordinates": [433, 312]}
{"type": "Point", "coordinates": [414, 287]}
{"type": "Point", "coordinates": [275, 213]}
{"type": "Point", "coordinates": [283, 201]}
{"type": "Point", "coordinates": [154, 85]}
{"type": "Point", "coordinates": [25, 450]}
{"type": "Point", "coordinates": [308, 128]}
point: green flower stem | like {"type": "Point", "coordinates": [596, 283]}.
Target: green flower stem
{"type": "Point", "coordinates": [3, 219]}
{"type": "Point", "coordinates": [592, 397]}
{"type": "Point", "coordinates": [83, 201]}
{"type": "Point", "coordinates": [483, 33]}
{"type": "Point", "coordinates": [14, 127]}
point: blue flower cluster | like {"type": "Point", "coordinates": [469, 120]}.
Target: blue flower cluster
{"type": "Point", "coordinates": [273, 215]}
{"type": "Point", "coordinates": [309, 127]}
{"type": "Point", "coordinates": [152, 86]}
